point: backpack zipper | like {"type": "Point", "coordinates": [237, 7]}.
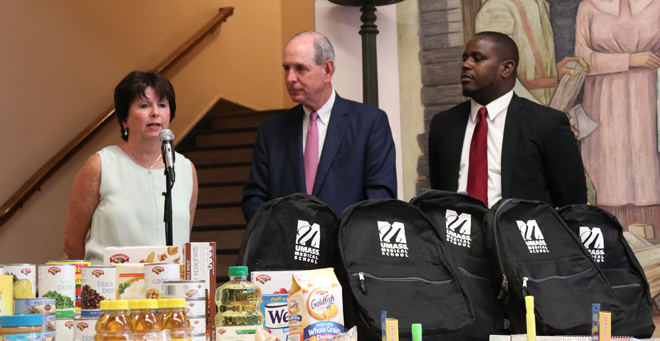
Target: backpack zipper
{"type": "Point", "coordinates": [544, 279]}
{"type": "Point", "coordinates": [504, 290]}
{"type": "Point", "coordinates": [623, 286]}
{"type": "Point", "coordinates": [471, 275]}
{"type": "Point", "coordinates": [363, 285]}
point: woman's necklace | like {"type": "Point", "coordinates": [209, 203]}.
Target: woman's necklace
{"type": "Point", "coordinates": [152, 166]}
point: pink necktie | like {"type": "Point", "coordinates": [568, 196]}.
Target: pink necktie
{"type": "Point", "coordinates": [311, 152]}
{"type": "Point", "coordinates": [478, 171]}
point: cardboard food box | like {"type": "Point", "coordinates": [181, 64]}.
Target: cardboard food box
{"type": "Point", "coordinates": [141, 254]}
{"type": "Point", "coordinates": [315, 305]}
{"type": "Point", "coordinates": [243, 333]}
{"type": "Point", "coordinates": [274, 287]}
{"type": "Point", "coordinates": [6, 295]}
{"type": "Point", "coordinates": [200, 264]}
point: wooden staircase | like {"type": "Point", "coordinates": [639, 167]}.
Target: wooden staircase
{"type": "Point", "coordinates": [221, 147]}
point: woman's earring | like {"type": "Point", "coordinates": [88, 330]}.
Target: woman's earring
{"type": "Point", "coordinates": [125, 131]}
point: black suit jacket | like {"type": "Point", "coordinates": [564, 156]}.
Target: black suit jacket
{"type": "Point", "coordinates": [540, 156]}
{"type": "Point", "coordinates": [357, 161]}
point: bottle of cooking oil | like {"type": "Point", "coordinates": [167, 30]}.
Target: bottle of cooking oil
{"type": "Point", "coordinates": [118, 327]}
{"type": "Point", "coordinates": [147, 322]}
{"type": "Point", "coordinates": [100, 323]}
{"type": "Point", "coordinates": [134, 306]}
{"type": "Point", "coordinates": [163, 309]}
{"type": "Point", "coordinates": [177, 320]}
{"type": "Point", "coordinates": [238, 300]}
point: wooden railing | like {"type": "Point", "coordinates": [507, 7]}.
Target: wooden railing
{"type": "Point", "coordinates": [17, 200]}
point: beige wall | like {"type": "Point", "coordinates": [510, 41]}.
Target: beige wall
{"type": "Point", "coordinates": [62, 60]}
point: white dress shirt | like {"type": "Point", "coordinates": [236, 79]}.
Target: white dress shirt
{"type": "Point", "coordinates": [496, 119]}
{"type": "Point", "coordinates": [321, 122]}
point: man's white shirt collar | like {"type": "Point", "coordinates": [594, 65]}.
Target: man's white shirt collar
{"type": "Point", "coordinates": [494, 108]}
{"type": "Point", "coordinates": [325, 111]}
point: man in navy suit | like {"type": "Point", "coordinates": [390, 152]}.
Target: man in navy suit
{"type": "Point", "coordinates": [337, 150]}
{"type": "Point", "coordinates": [498, 145]}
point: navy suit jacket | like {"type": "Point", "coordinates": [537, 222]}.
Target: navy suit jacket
{"type": "Point", "coordinates": [357, 161]}
{"type": "Point", "coordinates": [540, 157]}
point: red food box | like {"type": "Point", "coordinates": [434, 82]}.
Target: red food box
{"type": "Point", "coordinates": [200, 265]}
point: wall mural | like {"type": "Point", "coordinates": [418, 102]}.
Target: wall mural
{"type": "Point", "coordinates": [596, 60]}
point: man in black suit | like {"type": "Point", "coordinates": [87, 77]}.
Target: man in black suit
{"type": "Point", "coordinates": [337, 150]}
{"type": "Point", "coordinates": [498, 145]}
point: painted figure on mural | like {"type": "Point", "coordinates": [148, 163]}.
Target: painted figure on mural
{"type": "Point", "coordinates": [620, 40]}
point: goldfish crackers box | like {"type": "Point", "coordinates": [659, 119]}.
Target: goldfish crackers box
{"type": "Point", "coordinates": [316, 312]}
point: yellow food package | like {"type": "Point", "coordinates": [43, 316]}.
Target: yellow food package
{"type": "Point", "coordinates": [6, 295]}
{"type": "Point", "coordinates": [316, 312]}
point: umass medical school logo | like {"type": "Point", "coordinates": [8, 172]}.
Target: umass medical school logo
{"type": "Point", "coordinates": [533, 237]}
{"type": "Point", "coordinates": [593, 241]}
{"type": "Point", "coordinates": [393, 241]}
{"type": "Point", "coordinates": [308, 242]}
{"type": "Point", "coordinates": [459, 228]}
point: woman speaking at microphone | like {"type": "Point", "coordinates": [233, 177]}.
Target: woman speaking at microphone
{"type": "Point", "coordinates": [117, 195]}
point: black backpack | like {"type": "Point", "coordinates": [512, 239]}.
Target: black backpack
{"type": "Point", "coordinates": [394, 261]}
{"type": "Point", "coordinates": [535, 249]}
{"type": "Point", "coordinates": [602, 235]}
{"type": "Point", "coordinates": [296, 232]}
{"type": "Point", "coordinates": [458, 219]}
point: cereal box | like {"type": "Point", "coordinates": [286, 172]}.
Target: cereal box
{"type": "Point", "coordinates": [141, 254]}
{"type": "Point", "coordinates": [316, 312]}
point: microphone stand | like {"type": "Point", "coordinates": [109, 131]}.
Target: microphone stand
{"type": "Point", "coordinates": [169, 241]}
{"type": "Point", "coordinates": [169, 183]}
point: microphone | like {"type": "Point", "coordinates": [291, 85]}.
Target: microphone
{"type": "Point", "coordinates": [166, 137]}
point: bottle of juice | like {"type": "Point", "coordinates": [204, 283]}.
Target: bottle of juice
{"type": "Point", "coordinates": [118, 327]}
{"type": "Point", "coordinates": [177, 320]}
{"type": "Point", "coordinates": [238, 300]}
{"type": "Point", "coordinates": [147, 322]}
{"type": "Point", "coordinates": [134, 306]}
{"type": "Point", "coordinates": [100, 323]}
{"type": "Point", "coordinates": [163, 310]}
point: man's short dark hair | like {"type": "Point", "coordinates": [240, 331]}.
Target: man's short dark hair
{"type": "Point", "coordinates": [506, 47]}
{"type": "Point", "coordinates": [134, 85]}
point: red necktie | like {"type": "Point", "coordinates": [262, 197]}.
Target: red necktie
{"type": "Point", "coordinates": [311, 157]}
{"type": "Point", "coordinates": [477, 185]}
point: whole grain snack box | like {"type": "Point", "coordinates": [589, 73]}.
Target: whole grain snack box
{"type": "Point", "coordinates": [315, 306]}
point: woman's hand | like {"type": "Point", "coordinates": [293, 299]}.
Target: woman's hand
{"type": "Point", "coordinates": [645, 59]}
{"type": "Point", "coordinates": [82, 203]}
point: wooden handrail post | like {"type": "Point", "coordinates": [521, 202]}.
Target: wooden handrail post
{"type": "Point", "coordinates": [19, 197]}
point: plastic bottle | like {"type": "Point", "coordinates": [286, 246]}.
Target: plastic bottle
{"type": "Point", "coordinates": [163, 310]}
{"type": "Point", "coordinates": [147, 322]}
{"type": "Point", "coordinates": [118, 327]}
{"type": "Point", "coordinates": [100, 323]}
{"type": "Point", "coordinates": [134, 306]}
{"type": "Point", "coordinates": [176, 320]}
{"type": "Point", "coordinates": [238, 300]}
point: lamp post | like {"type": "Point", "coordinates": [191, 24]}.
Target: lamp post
{"type": "Point", "coordinates": [368, 31]}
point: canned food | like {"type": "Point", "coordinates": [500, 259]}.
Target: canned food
{"type": "Point", "coordinates": [198, 323]}
{"type": "Point", "coordinates": [99, 284]}
{"type": "Point", "coordinates": [49, 323]}
{"type": "Point", "coordinates": [59, 281]}
{"type": "Point", "coordinates": [25, 282]}
{"type": "Point", "coordinates": [199, 337]}
{"type": "Point", "coordinates": [195, 306]}
{"type": "Point", "coordinates": [156, 274]}
{"type": "Point", "coordinates": [50, 335]}
{"type": "Point", "coordinates": [84, 329]}
{"type": "Point", "coordinates": [184, 289]}
{"type": "Point", "coordinates": [79, 264]}
{"type": "Point", "coordinates": [64, 329]}
{"type": "Point", "coordinates": [44, 305]}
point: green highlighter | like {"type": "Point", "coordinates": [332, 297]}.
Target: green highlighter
{"type": "Point", "coordinates": [416, 332]}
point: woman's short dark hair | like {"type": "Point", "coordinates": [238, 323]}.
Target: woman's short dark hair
{"type": "Point", "coordinates": [134, 85]}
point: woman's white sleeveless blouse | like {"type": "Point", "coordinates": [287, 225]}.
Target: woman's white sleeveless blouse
{"type": "Point", "coordinates": [131, 204]}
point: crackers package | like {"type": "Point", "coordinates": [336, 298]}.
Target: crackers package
{"type": "Point", "coordinates": [141, 254]}
{"type": "Point", "coordinates": [316, 312]}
